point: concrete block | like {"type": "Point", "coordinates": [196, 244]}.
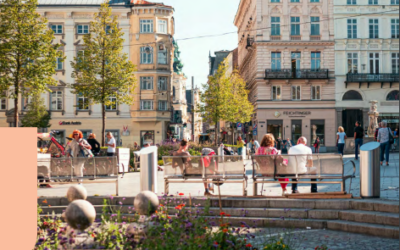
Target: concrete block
{"type": "Point", "coordinates": [362, 205]}
{"type": "Point", "coordinates": [387, 207]}
{"type": "Point", "coordinates": [323, 214]}
{"type": "Point", "coordinates": [333, 204]}
{"type": "Point", "coordinates": [291, 203]}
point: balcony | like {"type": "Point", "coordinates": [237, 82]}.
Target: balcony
{"type": "Point", "coordinates": [295, 38]}
{"type": "Point", "coordinates": [275, 38]}
{"type": "Point", "coordinates": [370, 78]}
{"type": "Point", "coordinates": [296, 74]}
{"type": "Point", "coordinates": [315, 38]}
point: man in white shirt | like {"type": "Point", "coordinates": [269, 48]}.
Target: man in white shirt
{"type": "Point", "coordinates": [111, 145]}
{"type": "Point", "coordinates": [304, 161]}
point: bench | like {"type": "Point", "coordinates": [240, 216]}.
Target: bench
{"type": "Point", "coordinates": [228, 169]}
{"type": "Point", "coordinates": [62, 170]}
{"type": "Point", "coordinates": [330, 167]}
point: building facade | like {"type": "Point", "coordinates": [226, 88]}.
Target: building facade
{"type": "Point", "coordinates": [286, 56]}
{"type": "Point", "coordinates": [147, 27]}
{"type": "Point", "coordinates": [367, 61]}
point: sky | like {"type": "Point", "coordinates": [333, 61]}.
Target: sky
{"type": "Point", "coordinates": [199, 18]}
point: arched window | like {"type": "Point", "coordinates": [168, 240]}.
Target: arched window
{"type": "Point", "coordinates": [352, 95]}
{"type": "Point", "coordinates": [393, 96]}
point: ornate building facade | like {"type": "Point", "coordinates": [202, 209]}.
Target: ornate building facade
{"type": "Point", "coordinates": [367, 61]}
{"type": "Point", "coordinates": [286, 56]}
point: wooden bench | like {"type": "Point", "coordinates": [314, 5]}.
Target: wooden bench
{"type": "Point", "coordinates": [222, 169]}
{"type": "Point", "coordinates": [329, 167]}
{"type": "Point", "coordinates": [62, 170]}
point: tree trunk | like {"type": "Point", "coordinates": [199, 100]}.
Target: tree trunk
{"type": "Point", "coordinates": [103, 129]}
{"type": "Point", "coordinates": [216, 134]}
{"type": "Point", "coordinates": [16, 116]}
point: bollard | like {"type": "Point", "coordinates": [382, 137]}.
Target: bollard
{"type": "Point", "coordinates": [370, 176]}
{"type": "Point", "coordinates": [148, 169]}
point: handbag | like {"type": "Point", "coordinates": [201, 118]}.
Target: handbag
{"type": "Point", "coordinates": [391, 139]}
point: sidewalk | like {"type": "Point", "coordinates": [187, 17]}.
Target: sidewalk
{"type": "Point", "coordinates": [129, 184]}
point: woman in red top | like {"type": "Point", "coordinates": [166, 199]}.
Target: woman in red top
{"type": "Point", "coordinates": [267, 148]}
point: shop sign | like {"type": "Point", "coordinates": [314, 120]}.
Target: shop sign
{"type": "Point", "coordinates": [239, 126]}
{"type": "Point", "coordinates": [277, 114]}
{"type": "Point", "coordinates": [123, 158]}
{"type": "Point", "coordinates": [255, 126]}
{"type": "Point", "coordinates": [69, 123]}
{"type": "Point", "coordinates": [303, 113]}
{"type": "Point", "coordinates": [255, 132]}
{"type": "Point", "coordinates": [125, 131]}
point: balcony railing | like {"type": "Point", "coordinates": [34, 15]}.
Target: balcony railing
{"type": "Point", "coordinates": [295, 38]}
{"type": "Point", "coordinates": [315, 38]}
{"type": "Point", "coordinates": [358, 77]}
{"type": "Point", "coordinates": [275, 38]}
{"type": "Point", "coordinates": [296, 74]}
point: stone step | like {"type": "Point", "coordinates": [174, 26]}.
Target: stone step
{"type": "Point", "coordinates": [373, 217]}
{"type": "Point", "coordinates": [364, 228]}
{"type": "Point", "coordinates": [345, 204]}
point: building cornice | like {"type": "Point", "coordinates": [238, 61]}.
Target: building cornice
{"type": "Point", "coordinates": [295, 43]}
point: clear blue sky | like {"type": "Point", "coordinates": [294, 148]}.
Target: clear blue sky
{"type": "Point", "coordinates": [198, 18]}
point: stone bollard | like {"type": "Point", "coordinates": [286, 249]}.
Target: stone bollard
{"type": "Point", "coordinates": [76, 192]}
{"type": "Point", "coordinates": [80, 214]}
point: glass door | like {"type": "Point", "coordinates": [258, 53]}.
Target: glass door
{"type": "Point", "coordinates": [296, 61]}
{"type": "Point", "coordinates": [275, 127]}
{"type": "Point", "coordinates": [296, 130]}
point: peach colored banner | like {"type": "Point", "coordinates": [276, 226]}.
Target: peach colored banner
{"type": "Point", "coordinates": [18, 210]}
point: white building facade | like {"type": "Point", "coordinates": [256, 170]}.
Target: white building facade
{"type": "Point", "coordinates": [366, 61]}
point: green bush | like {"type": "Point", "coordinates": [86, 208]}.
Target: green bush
{"type": "Point", "coordinates": [160, 162]}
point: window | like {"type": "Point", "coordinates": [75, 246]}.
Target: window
{"type": "Point", "coordinates": [146, 26]}
{"type": "Point", "coordinates": [296, 93]}
{"type": "Point", "coordinates": [162, 83]}
{"type": "Point", "coordinates": [373, 28]}
{"type": "Point", "coordinates": [26, 102]}
{"type": "Point", "coordinates": [81, 56]}
{"type": "Point", "coordinates": [59, 63]}
{"type": "Point", "coordinates": [295, 1]}
{"type": "Point", "coordinates": [86, 133]}
{"type": "Point", "coordinates": [315, 92]}
{"type": "Point", "coordinates": [146, 137]}
{"type": "Point", "coordinates": [60, 136]}
{"type": "Point", "coordinates": [275, 26]}
{"type": "Point", "coordinates": [57, 28]}
{"type": "Point", "coordinates": [162, 26]}
{"type": "Point", "coordinates": [395, 28]}
{"type": "Point", "coordinates": [315, 26]}
{"type": "Point", "coordinates": [314, 1]}
{"type": "Point", "coordinates": [162, 105]}
{"type": "Point", "coordinates": [108, 29]}
{"type": "Point", "coordinates": [352, 95]}
{"type": "Point", "coordinates": [318, 131]}
{"type": "Point", "coordinates": [393, 96]}
{"type": "Point", "coordinates": [3, 103]}
{"type": "Point", "coordinates": [372, 2]}
{"type": "Point", "coordinates": [395, 63]}
{"type": "Point", "coordinates": [162, 56]}
{"type": "Point", "coordinates": [276, 93]}
{"type": "Point", "coordinates": [82, 29]}
{"type": "Point", "coordinates": [115, 133]}
{"type": "Point", "coordinates": [276, 60]}
{"type": "Point", "coordinates": [351, 28]}
{"type": "Point", "coordinates": [146, 55]}
{"type": "Point", "coordinates": [146, 82]}
{"type": "Point", "coordinates": [113, 106]}
{"type": "Point", "coordinates": [374, 63]}
{"type": "Point", "coordinates": [394, 2]}
{"type": "Point", "coordinates": [56, 98]}
{"type": "Point", "coordinates": [275, 1]}
{"type": "Point", "coordinates": [352, 63]}
{"type": "Point", "coordinates": [351, 2]}
{"type": "Point", "coordinates": [146, 105]}
{"type": "Point", "coordinates": [296, 130]}
{"type": "Point", "coordinates": [315, 60]}
{"type": "Point", "coordinates": [83, 102]}
{"type": "Point", "coordinates": [295, 26]}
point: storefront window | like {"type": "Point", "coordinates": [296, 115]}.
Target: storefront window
{"type": "Point", "coordinates": [318, 130]}
{"type": "Point", "coordinates": [391, 119]}
{"type": "Point", "coordinates": [60, 136]}
{"type": "Point", "coordinates": [296, 130]}
{"type": "Point", "coordinates": [146, 137]}
{"type": "Point", "coordinates": [86, 134]}
{"type": "Point", "coordinates": [275, 127]}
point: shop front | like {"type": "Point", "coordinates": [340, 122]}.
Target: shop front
{"type": "Point", "coordinates": [392, 120]}
{"type": "Point", "coordinates": [292, 124]}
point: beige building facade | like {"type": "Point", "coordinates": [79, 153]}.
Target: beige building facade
{"type": "Point", "coordinates": [148, 30]}
{"type": "Point", "coordinates": [286, 56]}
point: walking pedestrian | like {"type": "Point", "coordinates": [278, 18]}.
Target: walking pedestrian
{"type": "Point", "coordinates": [288, 145]}
{"type": "Point", "coordinates": [75, 149]}
{"type": "Point", "coordinates": [384, 136]}
{"type": "Point", "coordinates": [94, 144]}
{"type": "Point", "coordinates": [358, 137]}
{"type": "Point", "coordinates": [279, 143]}
{"type": "Point", "coordinates": [317, 145]}
{"type": "Point", "coordinates": [396, 139]}
{"type": "Point", "coordinates": [240, 144]}
{"type": "Point", "coordinates": [111, 144]}
{"type": "Point", "coordinates": [256, 145]}
{"type": "Point", "coordinates": [267, 148]}
{"type": "Point", "coordinates": [340, 140]}
{"type": "Point", "coordinates": [377, 130]}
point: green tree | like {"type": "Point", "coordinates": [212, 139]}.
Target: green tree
{"type": "Point", "coordinates": [225, 98]}
{"type": "Point", "coordinates": [101, 71]}
{"type": "Point", "coordinates": [27, 55]}
{"type": "Point", "coordinates": [37, 115]}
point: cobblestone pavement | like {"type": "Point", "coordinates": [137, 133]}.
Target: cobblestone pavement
{"type": "Point", "coordinates": [129, 184]}
{"type": "Point", "coordinates": [309, 239]}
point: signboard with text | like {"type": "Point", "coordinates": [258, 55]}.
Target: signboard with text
{"type": "Point", "coordinates": [123, 160]}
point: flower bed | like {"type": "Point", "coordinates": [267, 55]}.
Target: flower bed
{"type": "Point", "coordinates": [188, 227]}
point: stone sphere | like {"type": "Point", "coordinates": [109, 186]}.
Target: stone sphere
{"type": "Point", "coordinates": [76, 192]}
{"type": "Point", "coordinates": [80, 214]}
{"type": "Point", "coordinates": [146, 203]}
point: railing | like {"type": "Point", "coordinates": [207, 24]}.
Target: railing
{"type": "Point", "coordinates": [315, 38]}
{"type": "Point", "coordinates": [295, 38]}
{"type": "Point", "coordinates": [296, 74]}
{"type": "Point", "coordinates": [275, 38]}
{"type": "Point", "coordinates": [362, 77]}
